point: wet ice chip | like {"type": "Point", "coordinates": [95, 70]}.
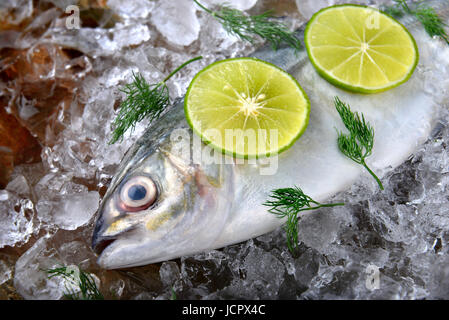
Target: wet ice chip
{"type": "Point", "coordinates": [22, 9]}
{"type": "Point", "coordinates": [19, 185]}
{"type": "Point", "coordinates": [16, 216]}
{"type": "Point", "coordinates": [318, 230]}
{"type": "Point", "coordinates": [69, 212]}
{"type": "Point", "coordinates": [263, 275]}
{"type": "Point", "coordinates": [131, 9]}
{"type": "Point", "coordinates": [4, 195]}
{"type": "Point", "coordinates": [130, 35]}
{"type": "Point", "coordinates": [117, 75]}
{"type": "Point", "coordinates": [237, 4]}
{"type": "Point", "coordinates": [308, 8]}
{"type": "Point", "coordinates": [177, 21]}
{"type": "Point", "coordinates": [26, 108]}
{"type": "Point", "coordinates": [116, 288]}
{"type": "Point", "coordinates": [29, 279]}
{"type": "Point", "coordinates": [101, 42]}
{"type": "Point", "coordinates": [91, 41]}
{"type": "Point", "coordinates": [169, 273]}
{"type": "Point", "coordinates": [5, 272]}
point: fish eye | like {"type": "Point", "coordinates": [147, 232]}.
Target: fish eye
{"type": "Point", "coordinates": [138, 193]}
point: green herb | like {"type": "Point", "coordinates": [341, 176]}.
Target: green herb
{"type": "Point", "coordinates": [289, 202]}
{"type": "Point", "coordinates": [173, 294]}
{"type": "Point", "coordinates": [425, 14]}
{"type": "Point", "coordinates": [142, 100]}
{"type": "Point", "coordinates": [359, 143]}
{"type": "Point", "coordinates": [394, 11]}
{"type": "Point", "coordinates": [77, 278]}
{"type": "Point", "coordinates": [247, 27]}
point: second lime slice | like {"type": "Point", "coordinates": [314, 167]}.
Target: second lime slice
{"type": "Point", "coordinates": [246, 107]}
{"type": "Point", "coordinates": [360, 49]}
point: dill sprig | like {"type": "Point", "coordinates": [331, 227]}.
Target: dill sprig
{"type": "Point", "coordinates": [394, 11]}
{"type": "Point", "coordinates": [431, 22]}
{"type": "Point", "coordinates": [248, 27]}
{"type": "Point", "coordinates": [142, 100]}
{"type": "Point", "coordinates": [288, 203]}
{"type": "Point", "coordinates": [358, 144]}
{"type": "Point", "coordinates": [425, 14]}
{"type": "Point", "coordinates": [77, 278]}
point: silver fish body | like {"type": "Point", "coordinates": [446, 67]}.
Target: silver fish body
{"type": "Point", "coordinates": [201, 206]}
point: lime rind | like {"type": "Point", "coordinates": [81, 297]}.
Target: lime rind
{"type": "Point", "coordinates": [234, 153]}
{"type": "Point", "coordinates": [350, 87]}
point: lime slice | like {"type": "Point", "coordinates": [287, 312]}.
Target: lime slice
{"type": "Point", "coordinates": [246, 107]}
{"type": "Point", "coordinates": [360, 49]}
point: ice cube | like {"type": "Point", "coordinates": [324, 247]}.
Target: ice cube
{"type": "Point", "coordinates": [263, 273]}
{"type": "Point", "coordinates": [5, 272]}
{"type": "Point", "coordinates": [19, 10]}
{"type": "Point", "coordinates": [69, 212]}
{"type": "Point", "coordinates": [169, 273]}
{"type": "Point", "coordinates": [130, 35]}
{"type": "Point", "coordinates": [19, 185]}
{"type": "Point", "coordinates": [16, 216]}
{"type": "Point", "coordinates": [98, 41]}
{"type": "Point", "coordinates": [318, 229]}
{"type": "Point", "coordinates": [116, 75]}
{"type": "Point", "coordinates": [308, 8]}
{"type": "Point", "coordinates": [30, 279]}
{"type": "Point", "coordinates": [439, 279]}
{"type": "Point", "coordinates": [62, 4]}
{"type": "Point", "coordinates": [77, 253]}
{"type": "Point", "coordinates": [216, 39]}
{"type": "Point", "coordinates": [237, 4]}
{"type": "Point", "coordinates": [117, 288]}
{"type": "Point", "coordinates": [136, 9]}
{"type": "Point", "coordinates": [176, 21]}
{"type": "Point", "coordinates": [91, 41]}
{"type": "Point", "coordinates": [51, 183]}
{"type": "Point", "coordinates": [306, 267]}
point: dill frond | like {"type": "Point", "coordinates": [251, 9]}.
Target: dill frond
{"type": "Point", "coordinates": [84, 281]}
{"type": "Point", "coordinates": [425, 14]}
{"type": "Point", "coordinates": [142, 100]}
{"type": "Point", "coordinates": [288, 203]}
{"type": "Point", "coordinates": [431, 22]}
{"type": "Point", "coordinates": [358, 144]}
{"type": "Point", "coordinates": [394, 11]}
{"type": "Point", "coordinates": [248, 27]}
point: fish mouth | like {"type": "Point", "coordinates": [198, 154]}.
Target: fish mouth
{"type": "Point", "coordinates": [100, 244]}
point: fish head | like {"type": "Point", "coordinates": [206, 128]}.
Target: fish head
{"type": "Point", "coordinates": [160, 206]}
